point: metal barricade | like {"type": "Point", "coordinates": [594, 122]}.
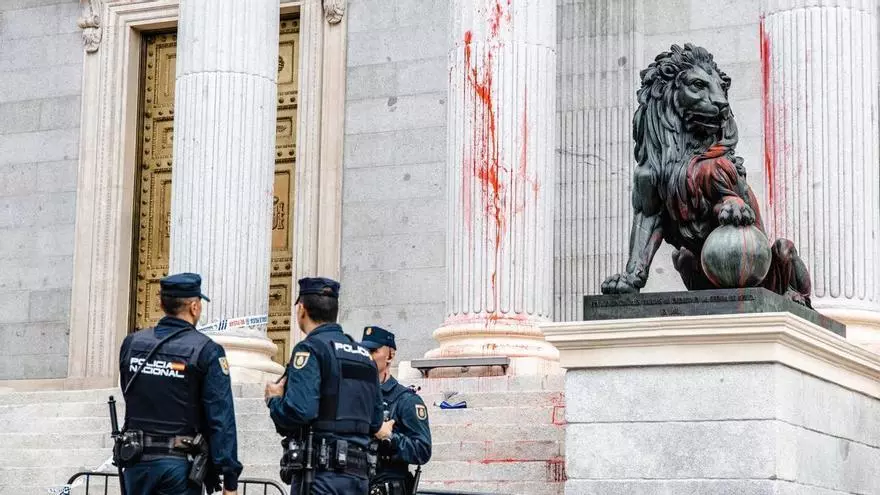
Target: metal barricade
{"type": "Point", "coordinates": [254, 486]}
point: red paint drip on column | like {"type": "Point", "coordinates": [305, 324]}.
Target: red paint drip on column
{"type": "Point", "coordinates": [769, 119]}
{"type": "Point", "coordinates": [469, 163]}
{"type": "Point", "coordinates": [485, 164]}
{"type": "Point", "coordinates": [496, 15]}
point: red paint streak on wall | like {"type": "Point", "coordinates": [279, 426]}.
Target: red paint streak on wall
{"type": "Point", "coordinates": [769, 118]}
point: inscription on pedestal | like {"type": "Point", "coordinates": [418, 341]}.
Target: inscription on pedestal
{"type": "Point", "coordinates": [701, 303]}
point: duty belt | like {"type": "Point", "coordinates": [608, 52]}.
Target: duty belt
{"type": "Point", "coordinates": [164, 446]}
{"type": "Point", "coordinates": [391, 487]}
{"type": "Point", "coordinates": [356, 461]}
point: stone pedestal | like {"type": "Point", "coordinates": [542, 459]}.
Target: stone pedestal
{"type": "Point", "coordinates": [820, 69]}
{"type": "Point", "coordinates": [500, 182]}
{"type": "Point", "coordinates": [752, 404]}
{"type": "Point", "coordinates": [227, 61]}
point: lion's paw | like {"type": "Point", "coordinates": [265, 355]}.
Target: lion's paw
{"type": "Point", "coordinates": [796, 297]}
{"type": "Point", "coordinates": [622, 283]}
{"type": "Point", "coordinates": [736, 213]}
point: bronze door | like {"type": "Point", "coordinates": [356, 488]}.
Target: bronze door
{"type": "Point", "coordinates": [153, 198]}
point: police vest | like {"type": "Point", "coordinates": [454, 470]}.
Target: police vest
{"type": "Point", "coordinates": [165, 399]}
{"type": "Point", "coordinates": [388, 467]}
{"type": "Point", "coordinates": [349, 385]}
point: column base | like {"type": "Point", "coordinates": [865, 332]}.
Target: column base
{"type": "Point", "coordinates": [250, 357]}
{"type": "Point", "coordinates": [523, 343]}
{"type": "Point", "coordinates": [862, 325]}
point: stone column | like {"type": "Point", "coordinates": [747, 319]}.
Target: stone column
{"type": "Point", "coordinates": [821, 150]}
{"type": "Point", "coordinates": [500, 181]}
{"type": "Point", "coordinates": [224, 149]}
{"type": "Point", "coordinates": [600, 56]}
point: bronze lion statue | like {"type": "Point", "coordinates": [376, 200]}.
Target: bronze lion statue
{"type": "Point", "coordinates": [689, 183]}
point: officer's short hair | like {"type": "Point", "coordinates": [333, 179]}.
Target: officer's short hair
{"type": "Point", "coordinates": [173, 305]}
{"type": "Point", "coordinates": [320, 308]}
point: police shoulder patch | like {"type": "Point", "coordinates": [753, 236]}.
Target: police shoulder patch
{"type": "Point", "coordinates": [224, 365]}
{"type": "Point", "coordinates": [421, 412]}
{"type": "Point", "coordinates": [300, 359]}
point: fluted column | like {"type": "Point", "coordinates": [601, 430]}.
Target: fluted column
{"type": "Point", "coordinates": [821, 150]}
{"type": "Point", "coordinates": [600, 55]}
{"type": "Point", "coordinates": [500, 182]}
{"type": "Point", "coordinates": [224, 149]}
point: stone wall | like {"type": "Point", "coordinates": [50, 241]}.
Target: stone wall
{"type": "Point", "coordinates": [744, 429]}
{"type": "Point", "coordinates": [394, 204]}
{"type": "Point", "coordinates": [40, 85]}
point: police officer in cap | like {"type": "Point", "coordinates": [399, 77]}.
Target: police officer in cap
{"type": "Point", "coordinates": [405, 437]}
{"type": "Point", "coordinates": [331, 389]}
{"type": "Point", "coordinates": [182, 390]}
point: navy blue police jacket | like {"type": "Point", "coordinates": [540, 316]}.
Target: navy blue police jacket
{"type": "Point", "coordinates": [410, 442]}
{"type": "Point", "coordinates": [184, 389]}
{"type": "Point", "coordinates": [332, 385]}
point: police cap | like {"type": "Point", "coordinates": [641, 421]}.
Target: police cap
{"type": "Point", "coordinates": [320, 286]}
{"type": "Point", "coordinates": [376, 337]}
{"type": "Point", "coordinates": [182, 285]}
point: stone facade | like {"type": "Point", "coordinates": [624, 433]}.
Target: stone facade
{"type": "Point", "coordinates": [40, 86]}
{"type": "Point", "coordinates": [394, 202]}
{"type": "Point", "coordinates": [392, 207]}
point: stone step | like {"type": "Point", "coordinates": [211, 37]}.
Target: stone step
{"type": "Point", "coordinates": [501, 399]}
{"type": "Point", "coordinates": [59, 410]}
{"type": "Point", "coordinates": [489, 450]}
{"type": "Point", "coordinates": [55, 420]}
{"type": "Point", "coordinates": [265, 450]}
{"type": "Point", "coordinates": [440, 471]}
{"type": "Point", "coordinates": [87, 404]}
{"type": "Point", "coordinates": [503, 487]}
{"type": "Point", "coordinates": [509, 440]}
{"type": "Point", "coordinates": [495, 384]}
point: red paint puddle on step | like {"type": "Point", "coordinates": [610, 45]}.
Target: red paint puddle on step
{"type": "Point", "coordinates": [556, 470]}
{"type": "Point", "coordinates": [558, 415]}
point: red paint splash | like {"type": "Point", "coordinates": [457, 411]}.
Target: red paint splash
{"type": "Point", "coordinates": [483, 162]}
{"type": "Point", "coordinates": [768, 115]}
{"type": "Point", "coordinates": [496, 16]}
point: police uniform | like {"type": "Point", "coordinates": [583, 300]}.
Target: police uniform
{"type": "Point", "coordinates": [410, 441]}
{"type": "Point", "coordinates": [182, 390]}
{"type": "Point", "coordinates": [333, 387]}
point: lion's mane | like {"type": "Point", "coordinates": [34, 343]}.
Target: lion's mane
{"type": "Point", "coordinates": [663, 142]}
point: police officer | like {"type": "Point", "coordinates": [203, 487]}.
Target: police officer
{"type": "Point", "coordinates": [331, 388]}
{"type": "Point", "coordinates": [406, 435]}
{"type": "Point", "coordinates": [182, 390]}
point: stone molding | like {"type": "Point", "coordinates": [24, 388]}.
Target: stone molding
{"type": "Point", "coordinates": [744, 338]}
{"type": "Point", "coordinates": [90, 23]}
{"type": "Point", "coordinates": [334, 10]}
{"type": "Point", "coordinates": [108, 143]}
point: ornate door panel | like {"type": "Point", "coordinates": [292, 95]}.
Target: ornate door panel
{"type": "Point", "coordinates": [154, 196]}
{"type": "Point", "coordinates": [281, 281]}
{"type": "Point", "coordinates": [153, 208]}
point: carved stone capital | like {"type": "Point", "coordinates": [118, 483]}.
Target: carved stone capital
{"type": "Point", "coordinates": [90, 23]}
{"type": "Point", "coordinates": [334, 10]}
